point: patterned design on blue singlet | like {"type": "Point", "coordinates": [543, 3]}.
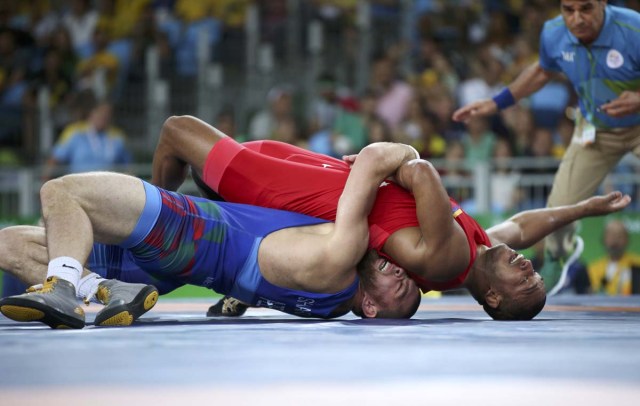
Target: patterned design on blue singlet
{"type": "Point", "coordinates": [189, 240]}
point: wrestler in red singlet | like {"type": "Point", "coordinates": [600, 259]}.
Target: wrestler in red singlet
{"type": "Point", "coordinates": [282, 176]}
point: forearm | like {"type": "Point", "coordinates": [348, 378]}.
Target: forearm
{"type": "Point", "coordinates": [387, 157]}
{"type": "Point", "coordinates": [373, 165]}
{"type": "Point", "coordinates": [532, 79]}
{"type": "Point", "coordinates": [432, 201]}
{"type": "Point", "coordinates": [534, 225]}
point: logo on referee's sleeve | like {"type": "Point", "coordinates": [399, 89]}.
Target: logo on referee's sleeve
{"type": "Point", "coordinates": [568, 56]}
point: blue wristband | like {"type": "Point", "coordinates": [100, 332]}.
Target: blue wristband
{"type": "Point", "coordinates": [504, 99]}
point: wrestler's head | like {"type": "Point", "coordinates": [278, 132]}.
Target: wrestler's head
{"type": "Point", "coordinates": [583, 18]}
{"type": "Point", "coordinates": [506, 285]}
{"type": "Point", "coordinates": [386, 290]}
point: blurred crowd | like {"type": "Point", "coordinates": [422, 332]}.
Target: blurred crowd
{"type": "Point", "coordinates": [452, 53]}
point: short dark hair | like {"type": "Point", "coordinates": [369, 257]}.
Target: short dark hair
{"type": "Point", "coordinates": [508, 310]}
{"type": "Point", "coordinates": [409, 313]}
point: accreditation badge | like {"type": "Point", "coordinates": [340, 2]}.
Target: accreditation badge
{"type": "Point", "coordinates": [584, 133]}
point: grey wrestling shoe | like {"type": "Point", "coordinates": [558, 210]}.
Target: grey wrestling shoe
{"type": "Point", "coordinates": [124, 302]}
{"type": "Point", "coordinates": [54, 303]}
{"type": "Point", "coordinates": [228, 307]}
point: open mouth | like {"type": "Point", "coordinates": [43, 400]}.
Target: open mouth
{"type": "Point", "coordinates": [515, 258]}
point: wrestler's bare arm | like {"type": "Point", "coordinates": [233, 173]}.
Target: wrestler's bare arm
{"type": "Point", "coordinates": [349, 239]}
{"type": "Point", "coordinates": [527, 228]}
{"type": "Point", "coordinates": [438, 249]}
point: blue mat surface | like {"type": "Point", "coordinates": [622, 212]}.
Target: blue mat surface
{"type": "Point", "coordinates": [582, 348]}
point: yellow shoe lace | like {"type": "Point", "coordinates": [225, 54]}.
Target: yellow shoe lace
{"type": "Point", "coordinates": [103, 294]}
{"type": "Point", "coordinates": [43, 288]}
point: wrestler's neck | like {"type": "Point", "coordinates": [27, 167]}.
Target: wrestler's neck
{"type": "Point", "coordinates": [476, 281]}
{"type": "Point", "coordinates": [355, 302]}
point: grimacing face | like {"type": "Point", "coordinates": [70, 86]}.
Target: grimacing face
{"type": "Point", "coordinates": [395, 293]}
{"type": "Point", "coordinates": [584, 18]}
{"type": "Point", "coordinates": [512, 275]}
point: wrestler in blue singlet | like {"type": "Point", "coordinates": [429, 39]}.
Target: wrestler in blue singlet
{"type": "Point", "coordinates": [189, 240]}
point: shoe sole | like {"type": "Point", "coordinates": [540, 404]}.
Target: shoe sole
{"type": "Point", "coordinates": [125, 314]}
{"type": "Point", "coordinates": [217, 309]}
{"type": "Point", "coordinates": [26, 310]}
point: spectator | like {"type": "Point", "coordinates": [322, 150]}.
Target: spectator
{"type": "Point", "coordinates": [378, 131]}
{"type": "Point", "coordinates": [520, 125]}
{"type": "Point", "coordinates": [53, 78]}
{"type": "Point", "coordinates": [541, 152]}
{"type": "Point", "coordinates": [353, 121]}
{"type": "Point", "coordinates": [578, 279]}
{"type": "Point", "coordinates": [612, 274]}
{"type": "Point", "coordinates": [417, 130]}
{"type": "Point", "coordinates": [505, 194]}
{"type": "Point", "coordinates": [232, 14]}
{"type": "Point", "coordinates": [287, 131]}
{"type": "Point", "coordinates": [226, 122]}
{"type": "Point", "coordinates": [394, 95]}
{"type": "Point", "coordinates": [101, 60]}
{"type": "Point", "coordinates": [323, 108]}
{"type": "Point", "coordinates": [479, 142]}
{"type": "Point", "coordinates": [13, 86]}
{"type": "Point", "coordinates": [81, 22]}
{"type": "Point", "coordinates": [61, 43]}
{"type": "Point", "coordinates": [80, 106]}
{"type": "Point", "coordinates": [280, 107]}
{"type": "Point", "coordinates": [96, 146]}
{"type": "Point", "coordinates": [457, 176]}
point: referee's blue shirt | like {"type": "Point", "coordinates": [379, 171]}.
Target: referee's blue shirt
{"type": "Point", "coordinates": [602, 70]}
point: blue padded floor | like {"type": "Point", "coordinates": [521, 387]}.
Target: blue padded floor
{"type": "Point", "coordinates": [582, 350]}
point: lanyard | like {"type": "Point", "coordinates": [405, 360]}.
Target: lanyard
{"type": "Point", "coordinates": [588, 95]}
{"type": "Point", "coordinates": [100, 146]}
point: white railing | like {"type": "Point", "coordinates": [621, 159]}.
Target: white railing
{"type": "Point", "coordinates": [19, 187]}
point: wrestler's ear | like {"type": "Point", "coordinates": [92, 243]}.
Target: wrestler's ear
{"type": "Point", "coordinates": [369, 307]}
{"type": "Point", "coordinates": [492, 298]}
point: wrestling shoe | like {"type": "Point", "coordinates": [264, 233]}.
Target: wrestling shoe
{"type": "Point", "coordinates": [555, 268]}
{"type": "Point", "coordinates": [54, 303]}
{"type": "Point", "coordinates": [228, 307]}
{"type": "Point", "coordinates": [124, 302]}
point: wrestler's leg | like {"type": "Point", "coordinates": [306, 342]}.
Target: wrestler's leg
{"type": "Point", "coordinates": [278, 150]}
{"type": "Point", "coordinates": [75, 209]}
{"type": "Point", "coordinates": [184, 141]}
{"type": "Point", "coordinates": [78, 208]}
{"type": "Point", "coordinates": [292, 153]}
{"type": "Point", "coordinates": [205, 191]}
{"type": "Point", "coordinates": [23, 253]}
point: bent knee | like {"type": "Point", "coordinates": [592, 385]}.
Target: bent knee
{"type": "Point", "coordinates": [174, 124]}
{"type": "Point", "coordinates": [51, 189]}
{"type": "Point", "coordinates": [69, 185]}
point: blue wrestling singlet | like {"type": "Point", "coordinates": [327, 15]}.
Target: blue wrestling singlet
{"type": "Point", "coordinates": [189, 240]}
